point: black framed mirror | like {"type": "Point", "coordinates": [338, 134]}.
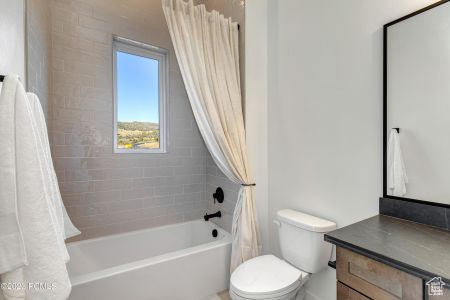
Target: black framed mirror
{"type": "Point", "coordinates": [416, 106]}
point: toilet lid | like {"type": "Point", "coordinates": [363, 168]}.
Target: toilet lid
{"type": "Point", "coordinates": [265, 275]}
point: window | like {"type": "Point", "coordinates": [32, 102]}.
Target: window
{"type": "Point", "coordinates": [139, 97]}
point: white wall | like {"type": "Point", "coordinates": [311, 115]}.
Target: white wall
{"type": "Point", "coordinates": [12, 38]}
{"type": "Point", "coordinates": [324, 111]}
{"type": "Point", "coordinates": [256, 108]}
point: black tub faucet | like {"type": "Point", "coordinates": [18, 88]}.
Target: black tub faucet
{"type": "Point", "coordinates": [215, 215]}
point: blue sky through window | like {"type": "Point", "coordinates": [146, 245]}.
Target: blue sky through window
{"type": "Point", "coordinates": [137, 88]}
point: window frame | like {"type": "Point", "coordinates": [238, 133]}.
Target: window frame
{"type": "Point", "coordinates": [152, 52]}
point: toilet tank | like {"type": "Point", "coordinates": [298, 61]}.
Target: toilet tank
{"type": "Point", "coordinates": [301, 240]}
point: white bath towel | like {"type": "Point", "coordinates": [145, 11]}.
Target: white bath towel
{"type": "Point", "coordinates": [67, 228]}
{"type": "Point", "coordinates": [12, 248]}
{"type": "Point", "coordinates": [396, 171]}
{"type": "Point", "coordinates": [43, 261]}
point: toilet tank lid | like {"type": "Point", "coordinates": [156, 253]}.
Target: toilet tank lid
{"type": "Point", "coordinates": [305, 221]}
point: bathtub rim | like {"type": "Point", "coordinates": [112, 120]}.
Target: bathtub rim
{"type": "Point", "coordinates": [114, 235]}
{"type": "Point", "coordinates": [141, 263]}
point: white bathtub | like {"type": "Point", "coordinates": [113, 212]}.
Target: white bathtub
{"type": "Point", "coordinates": [174, 262]}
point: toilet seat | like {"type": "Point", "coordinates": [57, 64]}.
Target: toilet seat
{"type": "Point", "coordinates": [265, 277]}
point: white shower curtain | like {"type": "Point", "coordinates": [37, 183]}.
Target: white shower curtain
{"type": "Point", "coordinates": [206, 46]}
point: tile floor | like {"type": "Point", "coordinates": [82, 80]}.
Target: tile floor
{"type": "Point", "coordinates": [221, 296]}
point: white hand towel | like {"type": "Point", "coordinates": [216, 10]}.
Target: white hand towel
{"type": "Point", "coordinates": [396, 171]}
{"type": "Point", "coordinates": [45, 275]}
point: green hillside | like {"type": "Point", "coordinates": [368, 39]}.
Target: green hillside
{"type": "Point", "coordinates": [142, 126]}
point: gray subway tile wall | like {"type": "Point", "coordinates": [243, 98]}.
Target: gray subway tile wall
{"type": "Point", "coordinates": [70, 68]}
{"type": "Point", "coordinates": [38, 51]}
{"type": "Point", "coordinates": [215, 178]}
{"type": "Point", "coordinates": [108, 193]}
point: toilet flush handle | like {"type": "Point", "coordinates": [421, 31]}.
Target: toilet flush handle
{"type": "Point", "coordinates": [276, 222]}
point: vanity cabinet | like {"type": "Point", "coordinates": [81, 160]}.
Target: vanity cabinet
{"type": "Point", "coordinates": [445, 296]}
{"type": "Point", "coordinates": [344, 292]}
{"type": "Point", "coordinates": [360, 277]}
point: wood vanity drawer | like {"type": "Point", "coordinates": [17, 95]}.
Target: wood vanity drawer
{"type": "Point", "coordinates": [374, 279]}
{"type": "Point", "coordinates": [346, 293]}
{"type": "Point", "coordinates": [445, 296]}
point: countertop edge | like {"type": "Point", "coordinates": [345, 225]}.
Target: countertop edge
{"type": "Point", "coordinates": [386, 260]}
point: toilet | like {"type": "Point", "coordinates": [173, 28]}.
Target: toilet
{"type": "Point", "coordinates": [303, 251]}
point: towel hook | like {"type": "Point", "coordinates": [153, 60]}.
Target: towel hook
{"type": "Point", "coordinates": [397, 129]}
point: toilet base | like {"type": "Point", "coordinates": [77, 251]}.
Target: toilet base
{"type": "Point", "coordinates": [298, 294]}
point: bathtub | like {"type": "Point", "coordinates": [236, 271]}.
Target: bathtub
{"type": "Point", "coordinates": [179, 261]}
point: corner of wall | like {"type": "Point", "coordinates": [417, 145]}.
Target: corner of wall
{"type": "Point", "coordinates": [256, 79]}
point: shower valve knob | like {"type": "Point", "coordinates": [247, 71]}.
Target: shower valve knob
{"type": "Point", "coordinates": [218, 195]}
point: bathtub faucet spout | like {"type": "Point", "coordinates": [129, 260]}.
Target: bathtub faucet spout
{"type": "Point", "coordinates": [215, 215]}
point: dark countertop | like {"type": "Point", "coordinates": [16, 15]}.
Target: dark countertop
{"type": "Point", "coordinates": [420, 250]}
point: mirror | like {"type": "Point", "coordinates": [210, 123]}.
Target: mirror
{"type": "Point", "coordinates": [417, 102]}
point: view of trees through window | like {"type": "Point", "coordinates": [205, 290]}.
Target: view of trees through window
{"type": "Point", "coordinates": [137, 102]}
{"type": "Point", "coordinates": [137, 135]}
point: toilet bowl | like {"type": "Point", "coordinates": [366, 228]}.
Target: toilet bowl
{"type": "Point", "coordinates": [303, 250]}
{"type": "Point", "coordinates": [266, 277]}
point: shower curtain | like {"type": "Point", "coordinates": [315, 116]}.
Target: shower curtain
{"type": "Point", "coordinates": [206, 47]}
